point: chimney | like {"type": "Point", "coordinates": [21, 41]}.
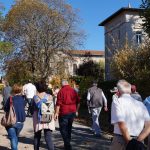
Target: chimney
{"type": "Point", "coordinates": [129, 5]}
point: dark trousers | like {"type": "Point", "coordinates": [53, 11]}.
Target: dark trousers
{"type": "Point", "coordinates": [48, 139]}
{"type": "Point", "coordinates": [65, 125]}
{"type": "Point", "coordinates": [29, 101]}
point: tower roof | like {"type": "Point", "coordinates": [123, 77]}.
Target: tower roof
{"type": "Point", "coordinates": [119, 12]}
{"type": "Point", "coordinates": [129, 5]}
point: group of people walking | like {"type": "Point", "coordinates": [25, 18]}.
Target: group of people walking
{"type": "Point", "coordinates": [45, 112]}
{"type": "Point", "coordinates": [130, 118]}
{"type": "Point", "coordinates": [129, 115]}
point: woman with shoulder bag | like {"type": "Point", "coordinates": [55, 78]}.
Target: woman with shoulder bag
{"type": "Point", "coordinates": [43, 116]}
{"type": "Point", "coordinates": [19, 108]}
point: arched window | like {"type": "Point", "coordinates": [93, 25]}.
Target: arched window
{"type": "Point", "coordinates": [75, 69]}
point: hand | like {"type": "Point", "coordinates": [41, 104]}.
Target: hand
{"type": "Point", "coordinates": [77, 114]}
{"type": "Point", "coordinates": [139, 139]}
{"type": "Point", "coordinates": [106, 108]}
{"type": "Point", "coordinates": [56, 116]}
{"type": "Point", "coordinates": [128, 140]}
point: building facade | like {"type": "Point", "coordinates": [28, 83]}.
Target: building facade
{"type": "Point", "coordinates": [81, 56]}
{"type": "Point", "coordinates": [121, 28]}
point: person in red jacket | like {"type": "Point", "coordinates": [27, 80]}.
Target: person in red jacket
{"type": "Point", "coordinates": [67, 106]}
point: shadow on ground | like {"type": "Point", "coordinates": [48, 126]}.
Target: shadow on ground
{"type": "Point", "coordinates": [26, 140]}
{"type": "Point", "coordinates": [83, 139]}
{"type": "Point", "coordinates": [4, 148]}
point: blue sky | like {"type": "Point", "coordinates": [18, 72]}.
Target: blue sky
{"type": "Point", "coordinates": [92, 12]}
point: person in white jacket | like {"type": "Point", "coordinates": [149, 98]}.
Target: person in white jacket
{"type": "Point", "coordinates": [29, 92]}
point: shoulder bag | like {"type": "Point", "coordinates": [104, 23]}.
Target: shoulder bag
{"type": "Point", "coordinates": [9, 119]}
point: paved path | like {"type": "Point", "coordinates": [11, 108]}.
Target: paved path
{"type": "Point", "coordinates": [82, 138]}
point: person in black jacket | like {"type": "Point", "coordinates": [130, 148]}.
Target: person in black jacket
{"type": "Point", "coordinates": [19, 106]}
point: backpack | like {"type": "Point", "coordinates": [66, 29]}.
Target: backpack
{"type": "Point", "coordinates": [45, 108]}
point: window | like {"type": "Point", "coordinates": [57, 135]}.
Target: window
{"type": "Point", "coordinates": [138, 37]}
{"type": "Point", "coordinates": [75, 69]}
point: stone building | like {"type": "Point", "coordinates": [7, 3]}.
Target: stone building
{"type": "Point", "coordinates": [122, 27]}
{"type": "Point", "coordinates": [80, 56]}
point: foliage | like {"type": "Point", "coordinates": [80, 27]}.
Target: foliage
{"type": "Point", "coordinates": [77, 79]}
{"type": "Point", "coordinates": [91, 69]}
{"type": "Point", "coordinates": [5, 47]}
{"type": "Point", "coordinates": [146, 15]}
{"type": "Point", "coordinates": [17, 71]}
{"type": "Point", "coordinates": [133, 64]}
{"type": "Point", "coordinates": [102, 70]}
{"type": "Point", "coordinates": [121, 62]}
{"type": "Point", "coordinates": [84, 85]}
{"type": "Point", "coordinates": [1, 87]}
{"type": "Point", "coordinates": [56, 81]}
{"type": "Point", "coordinates": [42, 31]}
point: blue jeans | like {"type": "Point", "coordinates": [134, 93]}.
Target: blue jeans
{"type": "Point", "coordinates": [95, 118]}
{"type": "Point", "coordinates": [13, 133]}
{"type": "Point", "coordinates": [65, 125]}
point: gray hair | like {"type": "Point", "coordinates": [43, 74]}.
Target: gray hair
{"type": "Point", "coordinates": [64, 82]}
{"type": "Point", "coordinates": [121, 81]}
{"type": "Point", "coordinates": [95, 83]}
{"type": "Point", "coordinates": [124, 87]}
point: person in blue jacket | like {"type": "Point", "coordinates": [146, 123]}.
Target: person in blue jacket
{"type": "Point", "coordinates": [19, 107]}
{"type": "Point", "coordinates": [147, 104]}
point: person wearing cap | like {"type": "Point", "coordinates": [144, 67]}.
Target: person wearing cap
{"type": "Point", "coordinates": [95, 100]}
{"type": "Point", "coordinates": [135, 94]}
{"type": "Point", "coordinates": [115, 92]}
{"type": "Point", "coordinates": [129, 117]}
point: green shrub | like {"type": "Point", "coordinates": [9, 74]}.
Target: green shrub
{"type": "Point", "coordinates": [91, 69]}
{"type": "Point", "coordinates": [84, 83]}
{"type": "Point", "coordinates": [105, 117]}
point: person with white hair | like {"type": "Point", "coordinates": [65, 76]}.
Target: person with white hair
{"type": "Point", "coordinates": [129, 117]}
{"type": "Point", "coordinates": [67, 107]}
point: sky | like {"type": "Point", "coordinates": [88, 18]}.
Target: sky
{"type": "Point", "coordinates": [92, 12]}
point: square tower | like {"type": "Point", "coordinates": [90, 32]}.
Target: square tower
{"type": "Point", "coordinates": [121, 28]}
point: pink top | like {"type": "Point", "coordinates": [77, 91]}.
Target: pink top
{"type": "Point", "coordinates": [40, 126]}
